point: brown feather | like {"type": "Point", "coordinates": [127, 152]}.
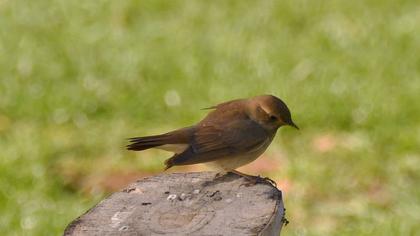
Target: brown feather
{"type": "Point", "coordinates": [180, 136]}
{"type": "Point", "coordinates": [219, 140]}
{"type": "Point", "coordinates": [234, 133]}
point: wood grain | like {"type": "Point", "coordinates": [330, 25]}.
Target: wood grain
{"type": "Point", "coordinates": [186, 204]}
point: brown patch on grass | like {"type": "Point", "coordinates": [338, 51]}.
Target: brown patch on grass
{"type": "Point", "coordinates": [285, 185]}
{"type": "Point", "coordinates": [103, 182]}
{"type": "Point", "coordinates": [97, 175]}
{"type": "Point", "coordinates": [378, 194]}
{"type": "Point", "coordinates": [263, 164]}
{"type": "Point", "coordinates": [324, 143]}
{"type": "Point", "coordinates": [112, 181]}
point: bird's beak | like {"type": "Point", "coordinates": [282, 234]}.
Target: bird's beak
{"type": "Point", "coordinates": [293, 125]}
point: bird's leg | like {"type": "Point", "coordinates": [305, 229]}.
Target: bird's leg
{"type": "Point", "coordinates": [219, 174]}
{"type": "Point", "coordinates": [252, 179]}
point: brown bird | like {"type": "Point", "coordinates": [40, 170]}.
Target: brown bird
{"type": "Point", "coordinates": [235, 133]}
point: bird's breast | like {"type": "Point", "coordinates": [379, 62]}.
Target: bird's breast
{"type": "Point", "coordinates": [237, 160]}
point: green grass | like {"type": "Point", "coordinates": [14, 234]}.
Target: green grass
{"type": "Point", "coordinates": [78, 77]}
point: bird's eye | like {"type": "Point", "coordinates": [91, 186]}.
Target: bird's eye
{"type": "Point", "coordinates": [273, 118]}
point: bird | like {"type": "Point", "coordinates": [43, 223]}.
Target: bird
{"type": "Point", "coordinates": [233, 134]}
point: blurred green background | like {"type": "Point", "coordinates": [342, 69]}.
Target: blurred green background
{"type": "Point", "coordinates": [79, 77]}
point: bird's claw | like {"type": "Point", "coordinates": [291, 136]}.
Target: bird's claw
{"type": "Point", "coordinates": [266, 179]}
{"type": "Point", "coordinates": [259, 180]}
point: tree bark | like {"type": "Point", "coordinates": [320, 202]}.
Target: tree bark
{"type": "Point", "coordinates": [186, 204]}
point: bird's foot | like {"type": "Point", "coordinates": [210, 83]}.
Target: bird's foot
{"type": "Point", "coordinates": [253, 180]}
{"type": "Point", "coordinates": [268, 180]}
{"type": "Point", "coordinates": [260, 180]}
{"type": "Point", "coordinates": [219, 174]}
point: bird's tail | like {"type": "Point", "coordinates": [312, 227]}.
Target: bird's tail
{"type": "Point", "coordinates": [143, 143]}
{"type": "Point", "coordinates": [181, 136]}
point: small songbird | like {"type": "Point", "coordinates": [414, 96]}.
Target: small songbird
{"type": "Point", "coordinates": [235, 133]}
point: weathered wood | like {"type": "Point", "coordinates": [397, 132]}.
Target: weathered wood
{"type": "Point", "coordinates": [186, 204]}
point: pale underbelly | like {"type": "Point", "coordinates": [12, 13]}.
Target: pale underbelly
{"type": "Point", "coordinates": [231, 163]}
{"type": "Point", "coordinates": [236, 161]}
{"type": "Point", "coordinates": [225, 163]}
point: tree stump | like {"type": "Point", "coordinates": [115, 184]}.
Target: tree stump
{"type": "Point", "coordinates": [186, 204]}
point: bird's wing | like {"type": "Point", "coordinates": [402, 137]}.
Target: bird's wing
{"type": "Point", "coordinates": [235, 136]}
{"type": "Point", "coordinates": [219, 140]}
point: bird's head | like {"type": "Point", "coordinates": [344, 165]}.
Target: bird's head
{"type": "Point", "coordinates": [270, 112]}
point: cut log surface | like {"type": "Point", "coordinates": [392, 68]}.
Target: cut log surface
{"type": "Point", "coordinates": [186, 204]}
